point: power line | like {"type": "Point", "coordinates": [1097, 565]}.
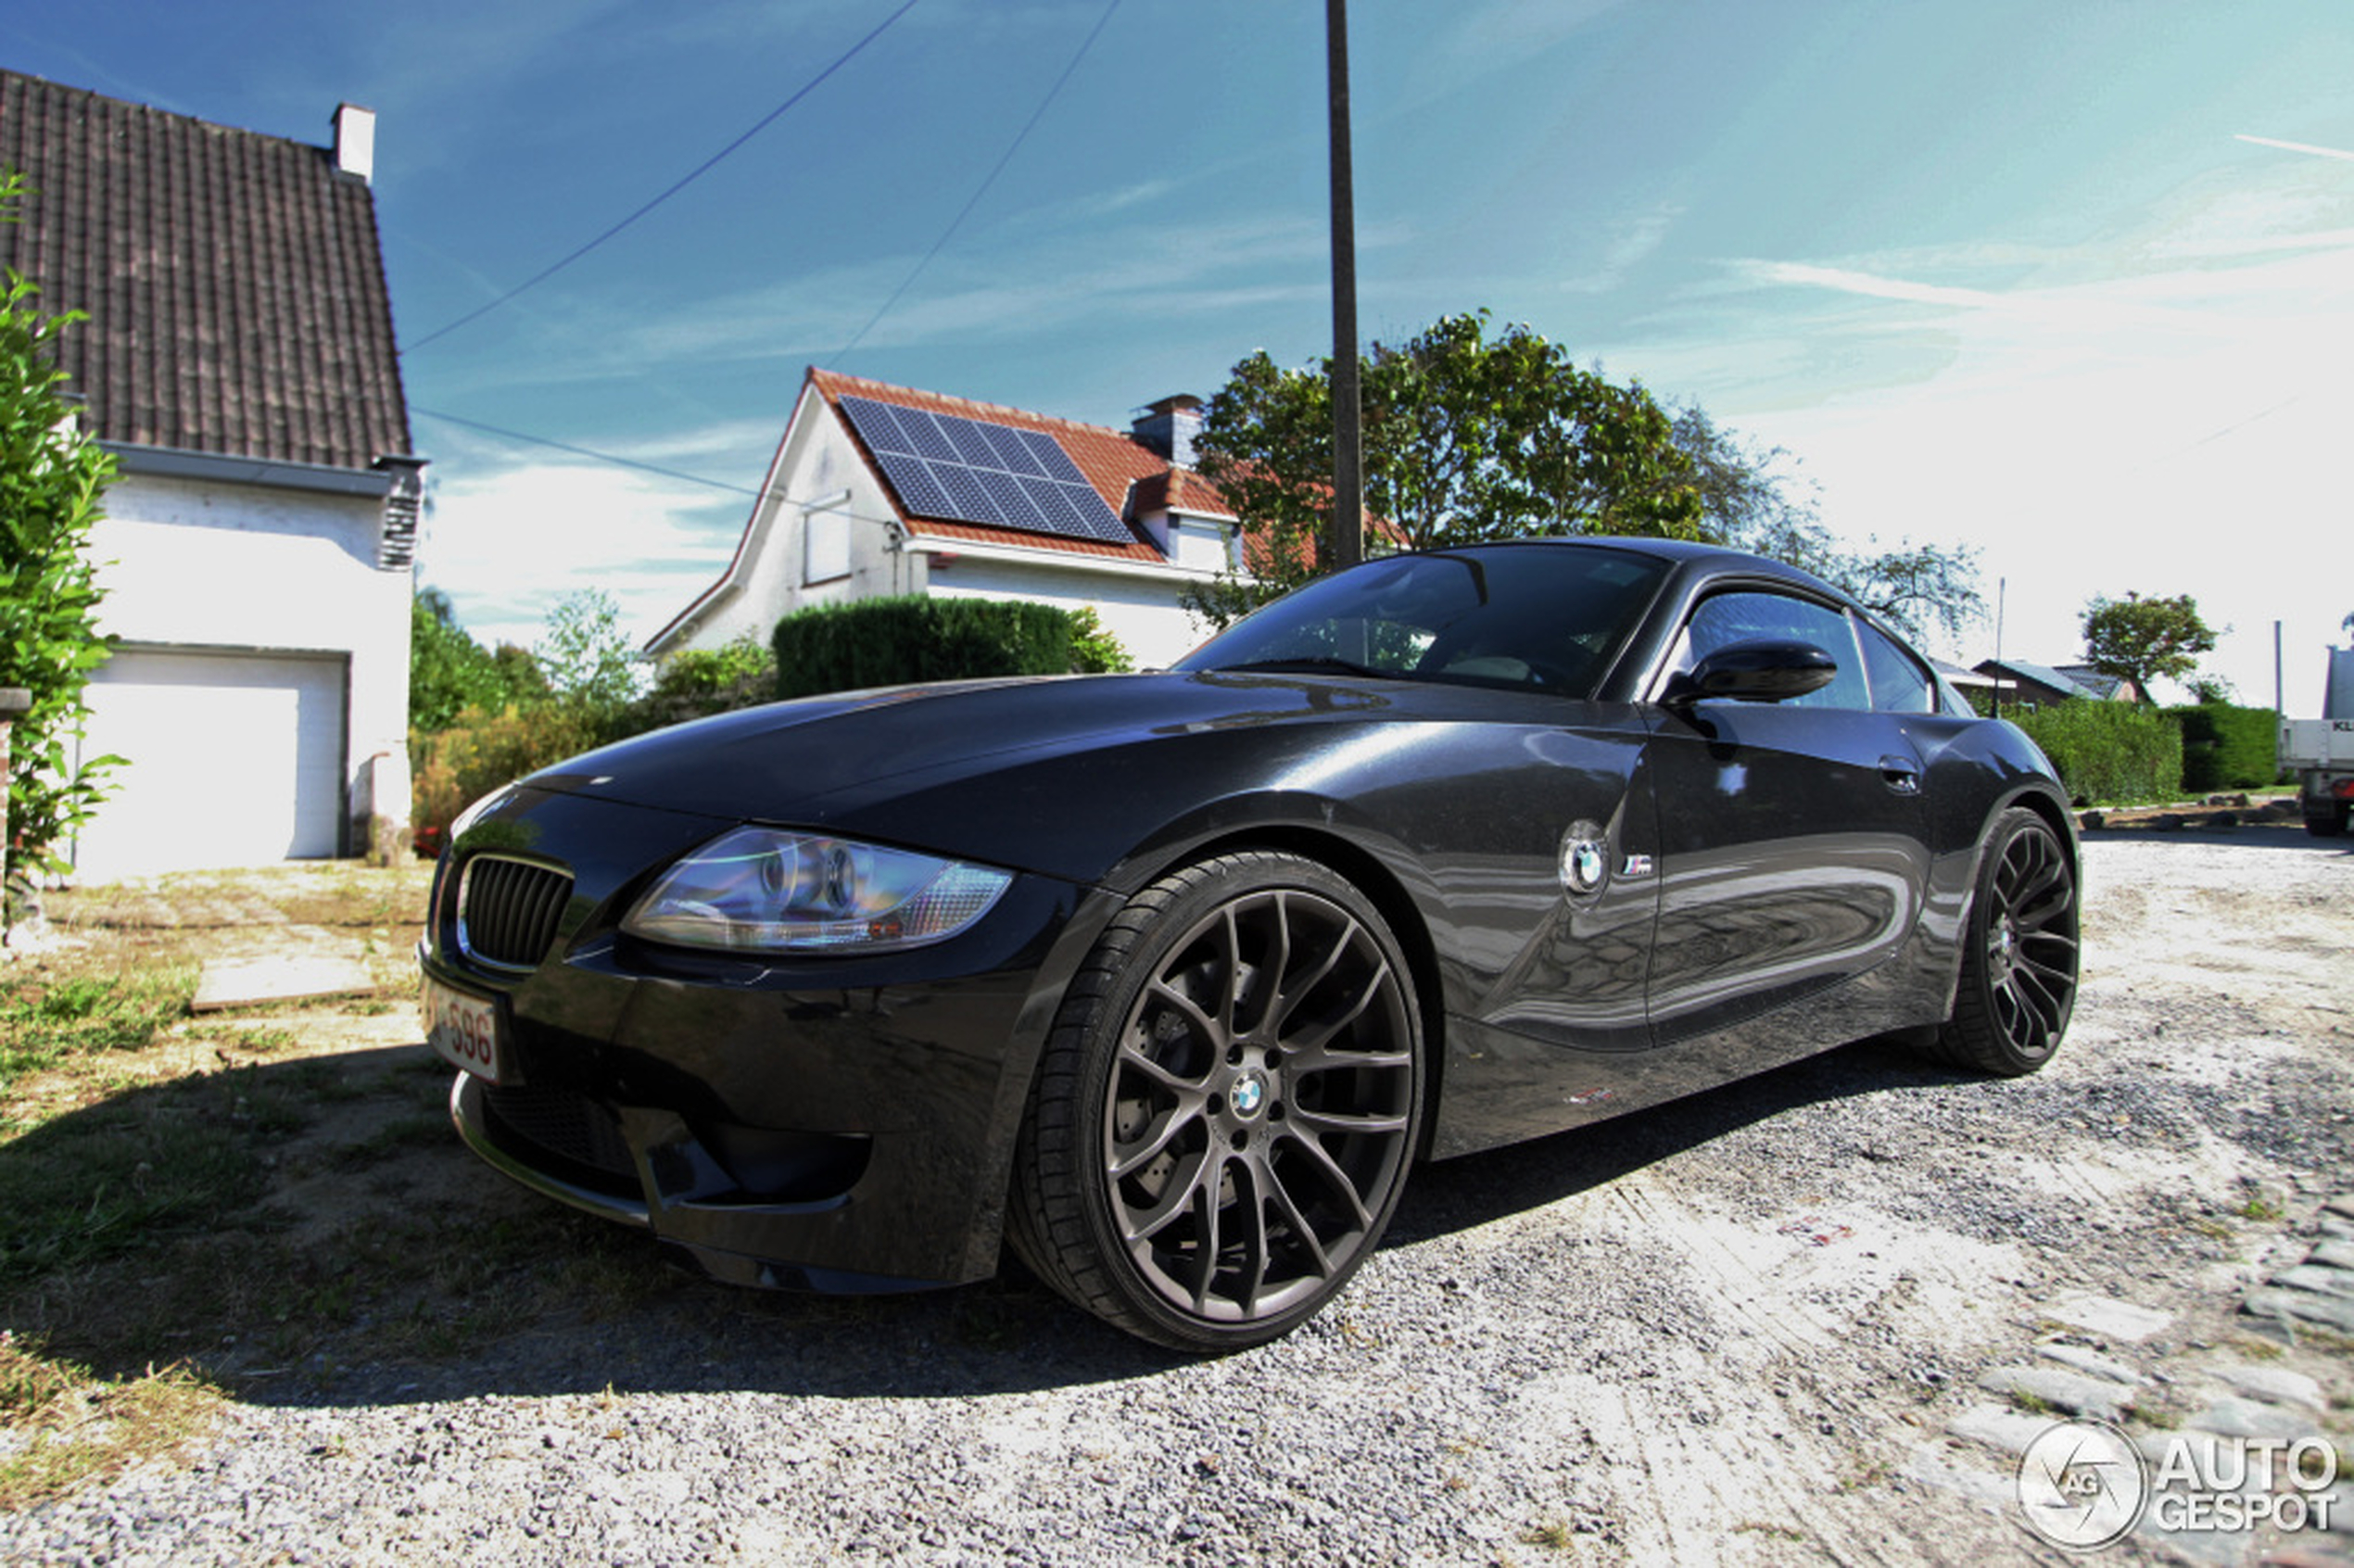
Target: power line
{"type": "Point", "coordinates": [580, 451]}
{"type": "Point", "coordinates": [974, 200]}
{"type": "Point", "coordinates": [690, 178]}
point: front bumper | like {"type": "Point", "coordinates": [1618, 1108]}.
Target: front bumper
{"type": "Point", "coordinates": [828, 1124]}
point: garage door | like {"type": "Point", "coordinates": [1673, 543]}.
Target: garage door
{"type": "Point", "coordinates": [235, 759]}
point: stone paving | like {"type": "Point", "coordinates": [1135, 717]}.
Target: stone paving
{"type": "Point", "coordinates": [2269, 1388]}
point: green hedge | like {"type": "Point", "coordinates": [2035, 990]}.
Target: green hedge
{"type": "Point", "coordinates": [2226, 747]}
{"type": "Point", "coordinates": [2109, 750]}
{"type": "Point", "coordinates": [902, 641]}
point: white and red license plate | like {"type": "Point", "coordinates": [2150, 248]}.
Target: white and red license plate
{"type": "Point", "coordinates": [464, 1030]}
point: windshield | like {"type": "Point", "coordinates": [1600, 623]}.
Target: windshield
{"type": "Point", "coordinates": [1523, 615]}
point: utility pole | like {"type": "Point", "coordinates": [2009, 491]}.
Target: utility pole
{"type": "Point", "coordinates": [1348, 457]}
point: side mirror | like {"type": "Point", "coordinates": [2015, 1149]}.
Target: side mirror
{"type": "Point", "coordinates": [1766, 670]}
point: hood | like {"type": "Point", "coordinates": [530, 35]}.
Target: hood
{"type": "Point", "coordinates": [783, 761]}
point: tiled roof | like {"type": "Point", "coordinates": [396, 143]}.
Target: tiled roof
{"type": "Point", "coordinates": [234, 282]}
{"type": "Point", "coordinates": [1114, 461]}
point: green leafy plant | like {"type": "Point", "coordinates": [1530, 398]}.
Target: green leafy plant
{"type": "Point", "coordinates": [1095, 650]}
{"type": "Point", "coordinates": [2145, 640]}
{"type": "Point", "coordinates": [2115, 752]}
{"type": "Point", "coordinates": [51, 481]}
{"type": "Point", "coordinates": [2227, 747]}
{"type": "Point", "coordinates": [908, 639]}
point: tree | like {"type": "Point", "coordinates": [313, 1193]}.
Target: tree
{"type": "Point", "coordinates": [450, 672]}
{"type": "Point", "coordinates": [2140, 639]}
{"type": "Point", "coordinates": [1469, 437]}
{"type": "Point", "coordinates": [51, 481]}
{"type": "Point", "coordinates": [1752, 502]}
{"type": "Point", "coordinates": [588, 662]}
{"type": "Point", "coordinates": [1466, 438]}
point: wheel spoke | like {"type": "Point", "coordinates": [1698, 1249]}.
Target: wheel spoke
{"type": "Point", "coordinates": [1336, 1178]}
{"type": "Point", "coordinates": [1183, 1183]}
{"type": "Point", "coordinates": [1279, 1013]}
{"type": "Point", "coordinates": [1314, 1043]}
{"type": "Point", "coordinates": [1190, 1011]}
{"type": "Point", "coordinates": [1330, 1121]}
{"type": "Point", "coordinates": [1298, 1223]}
{"type": "Point", "coordinates": [1128, 1157]}
{"type": "Point", "coordinates": [1207, 1214]}
{"type": "Point", "coordinates": [1230, 991]}
{"type": "Point", "coordinates": [1250, 1206]}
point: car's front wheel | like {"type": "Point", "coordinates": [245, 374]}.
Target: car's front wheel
{"type": "Point", "coordinates": [2020, 954]}
{"type": "Point", "coordinates": [1227, 1106]}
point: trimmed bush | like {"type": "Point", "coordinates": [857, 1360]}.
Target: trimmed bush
{"type": "Point", "coordinates": [2227, 747]}
{"type": "Point", "coordinates": [2109, 750]}
{"type": "Point", "coordinates": [908, 640]}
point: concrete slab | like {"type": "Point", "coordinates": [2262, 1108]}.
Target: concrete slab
{"type": "Point", "coordinates": [2106, 1315]}
{"type": "Point", "coordinates": [242, 982]}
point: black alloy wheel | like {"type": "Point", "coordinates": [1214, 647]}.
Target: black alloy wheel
{"type": "Point", "coordinates": [2020, 959]}
{"type": "Point", "coordinates": [1228, 1106]}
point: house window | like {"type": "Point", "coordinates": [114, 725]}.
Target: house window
{"type": "Point", "coordinates": [825, 536]}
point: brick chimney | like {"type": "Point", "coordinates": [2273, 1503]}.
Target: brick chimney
{"type": "Point", "coordinates": [355, 141]}
{"type": "Point", "coordinates": [1168, 428]}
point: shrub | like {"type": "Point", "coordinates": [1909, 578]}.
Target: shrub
{"type": "Point", "coordinates": [2226, 747]}
{"type": "Point", "coordinates": [484, 750]}
{"type": "Point", "coordinates": [51, 479]}
{"type": "Point", "coordinates": [907, 640]}
{"type": "Point", "coordinates": [701, 681]}
{"type": "Point", "coordinates": [2109, 750]}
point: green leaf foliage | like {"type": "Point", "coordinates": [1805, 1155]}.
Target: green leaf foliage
{"type": "Point", "coordinates": [909, 640]}
{"type": "Point", "coordinates": [51, 481]}
{"type": "Point", "coordinates": [2144, 639]}
{"type": "Point", "coordinates": [2228, 747]}
{"type": "Point", "coordinates": [1466, 438]}
{"type": "Point", "coordinates": [2109, 752]}
{"type": "Point", "coordinates": [450, 672]}
{"type": "Point", "coordinates": [1469, 436]}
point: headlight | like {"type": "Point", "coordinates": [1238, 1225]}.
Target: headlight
{"type": "Point", "coordinates": [800, 893]}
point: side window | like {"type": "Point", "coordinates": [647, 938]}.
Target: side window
{"type": "Point", "coordinates": [1726, 618]}
{"type": "Point", "coordinates": [1899, 686]}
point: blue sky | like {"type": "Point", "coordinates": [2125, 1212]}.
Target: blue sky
{"type": "Point", "coordinates": [2005, 274]}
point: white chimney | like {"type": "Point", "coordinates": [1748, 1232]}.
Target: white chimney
{"type": "Point", "coordinates": [356, 140]}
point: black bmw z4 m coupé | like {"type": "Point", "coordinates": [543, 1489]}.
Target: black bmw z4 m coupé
{"type": "Point", "coordinates": [1169, 980]}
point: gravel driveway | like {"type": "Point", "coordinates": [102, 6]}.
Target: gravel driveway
{"type": "Point", "coordinates": [1768, 1324]}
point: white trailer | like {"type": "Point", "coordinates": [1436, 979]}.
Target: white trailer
{"type": "Point", "coordinates": [2320, 752]}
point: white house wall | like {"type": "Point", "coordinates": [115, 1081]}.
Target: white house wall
{"type": "Point", "coordinates": [198, 564]}
{"type": "Point", "coordinates": [1141, 612]}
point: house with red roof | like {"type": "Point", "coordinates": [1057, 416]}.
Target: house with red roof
{"type": "Point", "coordinates": [238, 362]}
{"type": "Point", "coordinates": [877, 489]}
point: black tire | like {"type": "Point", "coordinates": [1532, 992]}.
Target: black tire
{"type": "Point", "coordinates": [1226, 1108]}
{"type": "Point", "coordinates": [2019, 952]}
{"type": "Point", "coordinates": [2327, 818]}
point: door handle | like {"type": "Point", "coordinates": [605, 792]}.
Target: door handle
{"type": "Point", "coordinates": [1902, 775]}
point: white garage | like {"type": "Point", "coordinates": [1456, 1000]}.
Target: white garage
{"type": "Point", "coordinates": [235, 758]}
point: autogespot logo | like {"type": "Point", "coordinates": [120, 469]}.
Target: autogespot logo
{"type": "Point", "coordinates": [2082, 1484]}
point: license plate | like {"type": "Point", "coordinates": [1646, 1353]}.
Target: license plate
{"type": "Point", "coordinates": [464, 1030]}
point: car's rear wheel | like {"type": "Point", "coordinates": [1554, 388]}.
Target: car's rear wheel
{"type": "Point", "coordinates": [2019, 956]}
{"type": "Point", "coordinates": [1227, 1106]}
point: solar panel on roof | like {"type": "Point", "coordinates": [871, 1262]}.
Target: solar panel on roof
{"type": "Point", "coordinates": [975, 471]}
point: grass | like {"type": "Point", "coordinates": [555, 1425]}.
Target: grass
{"type": "Point", "coordinates": [2261, 1208]}
{"type": "Point", "coordinates": [72, 1428]}
{"type": "Point", "coordinates": [192, 1209]}
{"type": "Point", "coordinates": [45, 1021]}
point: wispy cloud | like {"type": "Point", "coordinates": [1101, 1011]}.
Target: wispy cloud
{"type": "Point", "coordinates": [2297, 147]}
